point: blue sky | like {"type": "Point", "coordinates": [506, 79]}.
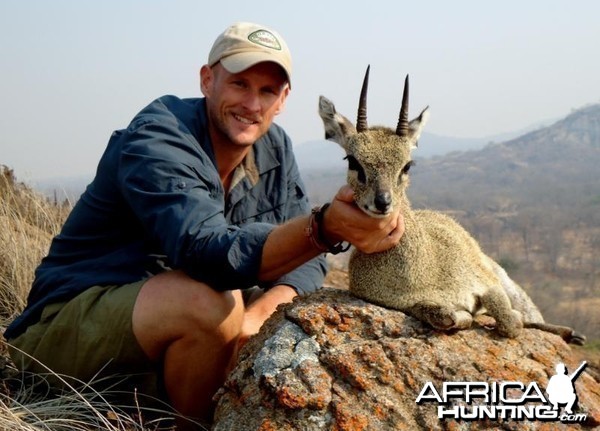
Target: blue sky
{"type": "Point", "coordinates": [73, 71]}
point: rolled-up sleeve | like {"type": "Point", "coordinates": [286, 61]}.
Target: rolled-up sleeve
{"type": "Point", "coordinates": [307, 278]}
{"type": "Point", "coordinates": [174, 191]}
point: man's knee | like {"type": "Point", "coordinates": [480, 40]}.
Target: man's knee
{"type": "Point", "coordinates": [172, 305]}
{"type": "Point", "coordinates": [221, 313]}
{"type": "Point", "coordinates": [208, 309]}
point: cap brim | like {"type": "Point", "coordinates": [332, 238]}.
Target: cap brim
{"type": "Point", "coordinates": [237, 63]}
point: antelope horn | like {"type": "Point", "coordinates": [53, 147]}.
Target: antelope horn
{"type": "Point", "coordinates": [402, 128]}
{"type": "Point", "coordinates": [361, 119]}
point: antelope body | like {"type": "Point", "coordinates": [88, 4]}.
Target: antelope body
{"type": "Point", "coordinates": [437, 272]}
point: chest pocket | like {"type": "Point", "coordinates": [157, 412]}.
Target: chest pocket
{"type": "Point", "coordinates": [268, 202]}
{"type": "Point", "coordinates": [259, 206]}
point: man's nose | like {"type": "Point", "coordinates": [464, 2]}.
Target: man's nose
{"type": "Point", "coordinates": [252, 101]}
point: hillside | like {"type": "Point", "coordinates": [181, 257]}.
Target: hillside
{"type": "Point", "coordinates": [533, 202]}
{"type": "Point", "coordinates": [556, 164]}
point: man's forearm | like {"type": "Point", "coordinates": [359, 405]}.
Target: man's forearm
{"type": "Point", "coordinates": [259, 310]}
{"type": "Point", "coordinates": [287, 247]}
{"type": "Point", "coordinates": [266, 303]}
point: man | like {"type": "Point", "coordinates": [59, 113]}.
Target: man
{"type": "Point", "coordinates": [197, 200]}
{"type": "Point", "coordinates": [561, 387]}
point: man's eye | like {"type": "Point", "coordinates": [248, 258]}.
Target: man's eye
{"type": "Point", "coordinates": [269, 91]}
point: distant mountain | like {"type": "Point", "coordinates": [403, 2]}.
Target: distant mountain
{"type": "Point", "coordinates": [557, 164]}
{"type": "Point", "coordinates": [319, 155]}
{"type": "Point", "coordinates": [533, 203]}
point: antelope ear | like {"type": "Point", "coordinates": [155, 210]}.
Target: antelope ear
{"type": "Point", "coordinates": [337, 127]}
{"type": "Point", "coordinates": [415, 127]}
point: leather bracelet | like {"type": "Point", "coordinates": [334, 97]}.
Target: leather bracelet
{"type": "Point", "coordinates": [319, 214]}
{"type": "Point", "coordinates": [312, 231]}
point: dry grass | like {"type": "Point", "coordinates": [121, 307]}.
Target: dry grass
{"type": "Point", "coordinates": [81, 408]}
{"type": "Point", "coordinates": [28, 222]}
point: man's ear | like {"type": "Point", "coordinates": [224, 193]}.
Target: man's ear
{"type": "Point", "coordinates": [284, 94]}
{"type": "Point", "coordinates": [206, 80]}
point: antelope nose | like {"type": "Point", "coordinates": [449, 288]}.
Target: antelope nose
{"type": "Point", "coordinates": [383, 201]}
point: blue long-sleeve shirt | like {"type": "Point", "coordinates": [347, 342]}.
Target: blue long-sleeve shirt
{"type": "Point", "coordinates": [157, 201]}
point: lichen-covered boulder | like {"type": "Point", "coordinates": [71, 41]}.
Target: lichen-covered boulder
{"type": "Point", "coordinates": [333, 362]}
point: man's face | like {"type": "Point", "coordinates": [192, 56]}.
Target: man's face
{"type": "Point", "coordinates": [241, 106]}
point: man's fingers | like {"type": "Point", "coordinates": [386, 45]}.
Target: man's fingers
{"type": "Point", "coordinates": [368, 234]}
{"type": "Point", "coordinates": [345, 194]}
{"type": "Point", "coordinates": [385, 238]}
{"type": "Point", "coordinates": [398, 230]}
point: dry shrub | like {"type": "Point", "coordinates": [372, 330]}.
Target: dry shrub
{"type": "Point", "coordinates": [28, 221]}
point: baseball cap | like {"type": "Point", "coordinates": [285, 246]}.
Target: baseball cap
{"type": "Point", "coordinates": [244, 44]}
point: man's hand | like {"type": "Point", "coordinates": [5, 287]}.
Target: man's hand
{"type": "Point", "coordinates": [344, 221]}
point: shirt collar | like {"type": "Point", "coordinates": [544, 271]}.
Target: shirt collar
{"type": "Point", "coordinates": [246, 169]}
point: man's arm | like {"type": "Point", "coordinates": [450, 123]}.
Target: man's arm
{"type": "Point", "coordinates": [260, 309]}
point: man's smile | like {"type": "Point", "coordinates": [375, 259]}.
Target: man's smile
{"type": "Point", "coordinates": [244, 119]}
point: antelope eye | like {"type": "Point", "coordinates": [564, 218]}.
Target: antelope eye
{"type": "Point", "coordinates": [405, 170]}
{"type": "Point", "coordinates": [353, 165]}
{"type": "Point", "coordinates": [407, 167]}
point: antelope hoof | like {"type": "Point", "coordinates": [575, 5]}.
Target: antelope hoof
{"type": "Point", "coordinates": [436, 315]}
{"type": "Point", "coordinates": [510, 325]}
{"type": "Point", "coordinates": [576, 338]}
{"type": "Point", "coordinates": [442, 321]}
{"type": "Point", "coordinates": [567, 334]}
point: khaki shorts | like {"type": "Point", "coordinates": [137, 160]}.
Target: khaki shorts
{"type": "Point", "coordinates": [89, 338]}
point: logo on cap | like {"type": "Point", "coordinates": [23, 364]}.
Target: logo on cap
{"type": "Point", "coordinates": [264, 38]}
